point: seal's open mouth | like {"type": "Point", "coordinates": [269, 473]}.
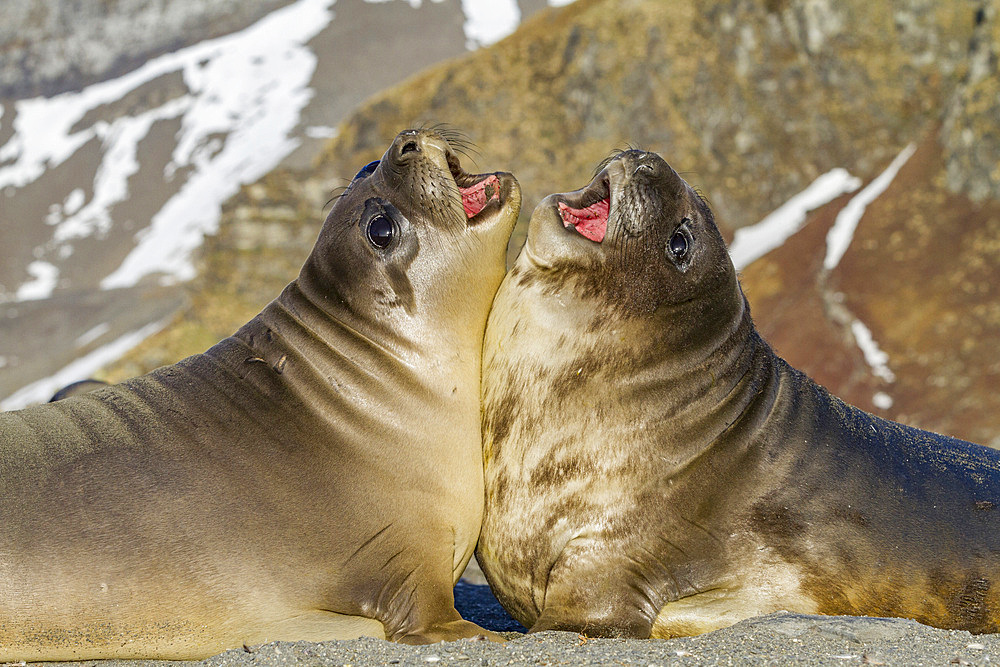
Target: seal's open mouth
{"type": "Point", "coordinates": [475, 198]}
{"type": "Point", "coordinates": [587, 210]}
{"type": "Point", "coordinates": [477, 190]}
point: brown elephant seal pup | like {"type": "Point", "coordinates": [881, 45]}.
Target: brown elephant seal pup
{"type": "Point", "coordinates": [318, 475]}
{"type": "Point", "coordinates": [653, 469]}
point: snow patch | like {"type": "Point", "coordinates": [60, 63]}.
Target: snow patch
{"type": "Point", "coordinates": [489, 21]}
{"type": "Point", "coordinates": [416, 4]}
{"type": "Point", "coordinates": [81, 369]}
{"type": "Point", "coordinates": [839, 238]}
{"type": "Point", "coordinates": [882, 400]}
{"type": "Point", "coordinates": [246, 92]}
{"type": "Point", "coordinates": [874, 356]}
{"type": "Point", "coordinates": [93, 334]}
{"type": "Point", "coordinates": [251, 87]}
{"type": "Point", "coordinates": [753, 242]}
{"type": "Point", "coordinates": [321, 132]}
{"type": "Point", "coordinates": [120, 141]}
{"type": "Point", "coordinates": [74, 200]}
{"type": "Point", "coordinates": [44, 276]}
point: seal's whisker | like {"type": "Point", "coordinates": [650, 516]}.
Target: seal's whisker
{"type": "Point", "coordinates": [703, 197]}
{"type": "Point", "coordinates": [618, 248]}
{"type": "Point", "coordinates": [463, 142]}
{"type": "Point", "coordinates": [457, 142]}
{"type": "Point", "coordinates": [336, 194]}
{"type": "Point", "coordinates": [450, 133]}
{"type": "Point", "coordinates": [611, 157]}
{"type": "Point", "coordinates": [470, 153]}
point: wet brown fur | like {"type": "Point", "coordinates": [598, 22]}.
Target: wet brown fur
{"type": "Point", "coordinates": [653, 468]}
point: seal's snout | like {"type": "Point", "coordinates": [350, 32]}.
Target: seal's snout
{"type": "Point", "coordinates": [627, 181]}
{"type": "Point", "coordinates": [413, 144]}
{"type": "Point", "coordinates": [648, 165]}
{"type": "Point", "coordinates": [429, 159]}
{"type": "Point", "coordinates": [589, 209]}
{"type": "Point", "coordinates": [647, 168]}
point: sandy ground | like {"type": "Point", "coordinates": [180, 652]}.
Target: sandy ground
{"type": "Point", "coordinates": [781, 638]}
{"type": "Point", "coordinates": [777, 639]}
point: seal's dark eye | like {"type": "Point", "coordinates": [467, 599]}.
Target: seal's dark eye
{"type": "Point", "coordinates": [366, 170]}
{"type": "Point", "coordinates": [678, 245]}
{"type": "Point", "coordinates": [380, 231]}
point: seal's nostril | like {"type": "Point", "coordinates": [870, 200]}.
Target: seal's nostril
{"type": "Point", "coordinates": [409, 147]}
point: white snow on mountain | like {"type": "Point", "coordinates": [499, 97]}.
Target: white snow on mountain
{"type": "Point", "coordinates": [44, 278]}
{"type": "Point", "coordinates": [753, 242]}
{"type": "Point", "coordinates": [839, 238]}
{"type": "Point", "coordinates": [84, 367]}
{"type": "Point", "coordinates": [245, 93]}
{"type": "Point", "coordinates": [489, 21]}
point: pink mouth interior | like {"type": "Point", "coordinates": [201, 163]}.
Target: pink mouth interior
{"type": "Point", "coordinates": [591, 222]}
{"type": "Point", "coordinates": [475, 198]}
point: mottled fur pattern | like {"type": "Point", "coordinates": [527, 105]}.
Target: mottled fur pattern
{"type": "Point", "coordinates": [654, 469]}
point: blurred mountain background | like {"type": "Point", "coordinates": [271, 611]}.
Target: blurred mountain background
{"type": "Point", "coordinates": [758, 104]}
{"type": "Point", "coordinates": [126, 124]}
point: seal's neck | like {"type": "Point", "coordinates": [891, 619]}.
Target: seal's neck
{"type": "Point", "coordinates": [668, 384]}
{"type": "Point", "coordinates": [701, 389]}
{"type": "Point", "coordinates": [318, 354]}
{"type": "Point", "coordinates": [431, 318]}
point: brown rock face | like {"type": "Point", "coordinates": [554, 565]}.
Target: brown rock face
{"type": "Point", "coordinates": [922, 275]}
{"type": "Point", "coordinates": [751, 102]}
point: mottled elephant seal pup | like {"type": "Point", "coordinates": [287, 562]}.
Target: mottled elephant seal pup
{"type": "Point", "coordinates": [318, 475]}
{"type": "Point", "coordinates": [653, 469]}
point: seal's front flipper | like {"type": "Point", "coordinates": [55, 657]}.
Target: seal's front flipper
{"type": "Point", "coordinates": [711, 610]}
{"type": "Point", "coordinates": [426, 614]}
{"type": "Point", "coordinates": [590, 595]}
{"type": "Point", "coordinates": [620, 623]}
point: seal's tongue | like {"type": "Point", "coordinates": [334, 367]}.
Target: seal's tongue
{"type": "Point", "coordinates": [591, 221]}
{"type": "Point", "coordinates": [475, 198]}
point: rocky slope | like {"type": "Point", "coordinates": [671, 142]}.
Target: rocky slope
{"type": "Point", "coordinates": [48, 46]}
{"type": "Point", "coordinates": [106, 190]}
{"type": "Point", "coordinates": [751, 102]}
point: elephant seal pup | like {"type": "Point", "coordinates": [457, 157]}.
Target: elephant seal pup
{"type": "Point", "coordinates": [317, 475]}
{"type": "Point", "coordinates": [653, 469]}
